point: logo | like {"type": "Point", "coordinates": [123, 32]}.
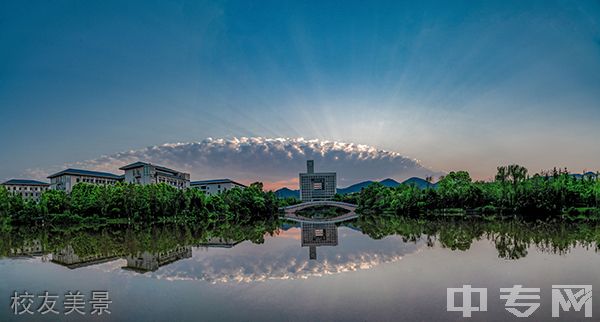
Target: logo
{"type": "Point", "coordinates": [522, 302]}
{"type": "Point", "coordinates": [578, 297]}
{"type": "Point", "coordinates": [514, 295]}
{"type": "Point", "coordinates": [467, 304]}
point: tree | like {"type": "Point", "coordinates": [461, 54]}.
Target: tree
{"type": "Point", "coordinates": [54, 202]}
{"type": "Point", "coordinates": [455, 189]}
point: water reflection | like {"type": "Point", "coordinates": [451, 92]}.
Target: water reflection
{"type": "Point", "coordinates": [261, 251]}
{"type": "Point", "coordinates": [149, 262]}
{"type": "Point", "coordinates": [69, 258]}
{"type": "Point", "coordinates": [29, 248]}
{"type": "Point", "coordinates": [318, 234]}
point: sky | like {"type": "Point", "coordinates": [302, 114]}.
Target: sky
{"type": "Point", "coordinates": [392, 89]}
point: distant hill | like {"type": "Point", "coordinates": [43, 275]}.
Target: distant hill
{"type": "Point", "coordinates": [588, 174]}
{"type": "Point", "coordinates": [287, 193]}
{"type": "Point", "coordinates": [357, 187]}
{"type": "Point", "coordinates": [420, 183]}
{"type": "Point", "coordinates": [389, 182]}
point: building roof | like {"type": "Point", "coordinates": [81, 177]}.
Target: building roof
{"type": "Point", "coordinates": [86, 173]}
{"type": "Point", "coordinates": [134, 165]}
{"type": "Point", "coordinates": [141, 164]}
{"type": "Point", "coordinates": [25, 182]}
{"type": "Point", "coordinates": [215, 181]}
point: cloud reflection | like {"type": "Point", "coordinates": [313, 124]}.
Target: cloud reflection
{"type": "Point", "coordinates": [284, 259]}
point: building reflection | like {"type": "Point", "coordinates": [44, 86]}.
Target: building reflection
{"type": "Point", "coordinates": [28, 249]}
{"type": "Point", "coordinates": [218, 242]}
{"type": "Point", "coordinates": [69, 258]}
{"type": "Point", "coordinates": [141, 261]}
{"type": "Point", "coordinates": [151, 261]}
{"type": "Point", "coordinates": [318, 234]}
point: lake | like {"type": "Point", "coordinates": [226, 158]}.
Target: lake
{"type": "Point", "coordinates": [387, 269]}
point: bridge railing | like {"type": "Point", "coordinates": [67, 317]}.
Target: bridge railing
{"type": "Point", "coordinates": [342, 218]}
{"type": "Point", "coordinates": [321, 203]}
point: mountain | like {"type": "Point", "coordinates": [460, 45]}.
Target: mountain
{"type": "Point", "coordinates": [420, 183]}
{"type": "Point", "coordinates": [357, 187]}
{"type": "Point", "coordinates": [389, 182]}
{"type": "Point", "coordinates": [287, 193]}
{"type": "Point", "coordinates": [589, 174]}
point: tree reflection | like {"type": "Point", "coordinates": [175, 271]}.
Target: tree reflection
{"type": "Point", "coordinates": [511, 237]}
{"type": "Point", "coordinates": [80, 244]}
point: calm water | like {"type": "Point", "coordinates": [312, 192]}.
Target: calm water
{"type": "Point", "coordinates": [345, 276]}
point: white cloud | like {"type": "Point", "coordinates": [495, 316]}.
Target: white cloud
{"type": "Point", "coordinates": [271, 160]}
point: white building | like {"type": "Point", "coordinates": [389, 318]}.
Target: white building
{"type": "Point", "coordinates": [316, 186]}
{"type": "Point", "coordinates": [29, 189]}
{"type": "Point", "coordinates": [211, 187]}
{"type": "Point", "coordinates": [146, 173]}
{"type": "Point", "coordinates": [65, 180]}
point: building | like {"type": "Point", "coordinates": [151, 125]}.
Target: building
{"type": "Point", "coordinates": [318, 234]}
{"type": "Point", "coordinates": [148, 262]}
{"type": "Point", "coordinates": [65, 180]}
{"type": "Point", "coordinates": [316, 186]}
{"type": "Point", "coordinates": [146, 173]}
{"type": "Point", "coordinates": [29, 189]}
{"type": "Point", "coordinates": [212, 187]}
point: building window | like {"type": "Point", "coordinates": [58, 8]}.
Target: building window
{"type": "Point", "coordinates": [319, 232]}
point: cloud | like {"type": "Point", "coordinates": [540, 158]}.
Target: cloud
{"type": "Point", "coordinates": [275, 161]}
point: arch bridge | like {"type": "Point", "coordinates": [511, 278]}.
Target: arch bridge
{"type": "Point", "coordinates": [289, 212]}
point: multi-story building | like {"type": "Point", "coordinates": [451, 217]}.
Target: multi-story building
{"type": "Point", "coordinates": [316, 186]}
{"type": "Point", "coordinates": [65, 180]}
{"type": "Point", "coordinates": [146, 173]}
{"type": "Point", "coordinates": [29, 189]}
{"type": "Point", "coordinates": [211, 187]}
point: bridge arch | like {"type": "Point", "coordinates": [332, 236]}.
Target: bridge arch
{"type": "Point", "coordinates": [304, 205]}
{"type": "Point", "coordinates": [289, 212]}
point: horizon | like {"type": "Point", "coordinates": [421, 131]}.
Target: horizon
{"type": "Point", "coordinates": [292, 184]}
{"type": "Point", "coordinates": [248, 91]}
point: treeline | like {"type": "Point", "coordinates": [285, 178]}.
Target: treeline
{"type": "Point", "coordinates": [140, 203]}
{"type": "Point", "coordinates": [548, 194]}
{"type": "Point", "coordinates": [512, 238]}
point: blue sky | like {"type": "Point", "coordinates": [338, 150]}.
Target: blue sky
{"type": "Point", "coordinates": [457, 85]}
